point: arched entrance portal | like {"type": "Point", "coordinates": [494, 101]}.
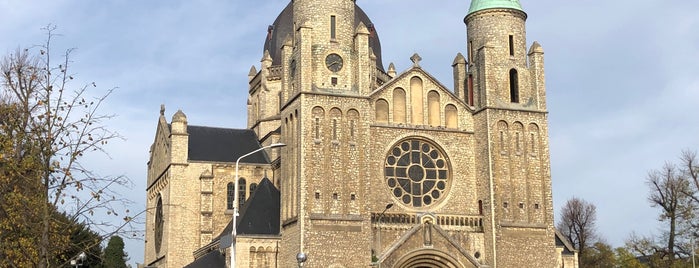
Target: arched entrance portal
{"type": "Point", "coordinates": [428, 259]}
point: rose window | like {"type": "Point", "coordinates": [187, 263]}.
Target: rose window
{"type": "Point", "coordinates": [417, 172]}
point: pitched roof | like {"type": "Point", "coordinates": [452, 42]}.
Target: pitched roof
{"type": "Point", "coordinates": [224, 145]}
{"type": "Point", "coordinates": [260, 213]}
{"type": "Point", "coordinates": [562, 242]}
{"type": "Point", "coordinates": [211, 259]}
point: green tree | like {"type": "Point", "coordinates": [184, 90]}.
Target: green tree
{"type": "Point", "coordinates": [48, 126]}
{"type": "Point", "coordinates": [599, 255]}
{"type": "Point", "coordinates": [114, 255]}
{"type": "Point", "coordinates": [626, 259]}
{"type": "Point", "coordinates": [82, 240]}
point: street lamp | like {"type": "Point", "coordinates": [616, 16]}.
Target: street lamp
{"type": "Point", "coordinates": [78, 260]}
{"type": "Point", "coordinates": [378, 250]}
{"type": "Point", "coordinates": [694, 264]}
{"type": "Point", "coordinates": [234, 232]}
{"type": "Point", "coordinates": [301, 258]}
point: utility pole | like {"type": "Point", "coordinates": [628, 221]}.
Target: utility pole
{"type": "Point", "coordinates": [694, 265]}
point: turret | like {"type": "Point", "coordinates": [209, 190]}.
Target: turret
{"type": "Point", "coordinates": [332, 21]}
{"type": "Point", "coordinates": [326, 39]}
{"type": "Point", "coordinates": [507, 83]}
{"type": "Point", "coordinates": [365, 63]}
{"type": "Point", "coordinates": [536, 65]}
{"type": "Point", "coordinates": [179, 138]}
{"type": "Point", "coordinates": [497, 53]}
{"type": "Point", "coordinates": [459, 66]}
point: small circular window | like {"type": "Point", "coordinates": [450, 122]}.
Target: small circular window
{"type": "Point", "coordinates": [417, 172]}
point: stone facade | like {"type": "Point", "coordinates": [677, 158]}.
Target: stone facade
{"type": "Point", "coordinates": [380, 168]}
{"type": "Point", "coordinates": [193, 195]}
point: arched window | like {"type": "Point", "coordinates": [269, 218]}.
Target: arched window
{"type": "Point", "coordinates": [470, 89]}
{"type": "Point", "coordinates": [253, 187]}
{"type": "Point", "coordinates": [336, 115]}
{"type": "Point", "coordinates": [382, 111]}
{"type": "Point", "coordinates": [433, 108]}
{"type": "Point", "coordinates": [503, 129]}
{"type": "Point", "coordinates": [480, 207]}
{"type": "Point", "coordinates": [353, 116]}
{"type": "Point", "coordinates": [514, 86]}
{"type": "Point", "coordinates": [159, 223]}
{"type": "Point", "coordinates": [230, 195]}
{"type": "Point", "coordinates": [318, 114]}
{"type": "Point", "coordinates": [452, 116]}
{"type": "Point", "coordinates": [399, 105]}
{"type": "Point", "coordinates": [518, 129]}
{"type": "Point", "coordinates": [416, 101]}
{"type": "Point", "coordinates": [533, 139]}
{"type": "Point", "coordinates": [242, 187]}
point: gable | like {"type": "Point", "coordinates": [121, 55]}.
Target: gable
{"type": "Point", "coordinates": [159, 150]}
{"type": "Point", "coordinates": [416, 98]}
{"type": "Point", "coordinates": [260, 213]}
{"type": "Point", "coordinates": [428, 241]}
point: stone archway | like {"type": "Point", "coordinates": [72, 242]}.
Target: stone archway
{"type": "Point", "coordinates": [428, 258]}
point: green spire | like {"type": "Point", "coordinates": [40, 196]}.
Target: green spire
{"type": "Point", "coordinates": [478, 5]}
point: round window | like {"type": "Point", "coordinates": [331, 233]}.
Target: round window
{"type": "Point", "coordinates": [417, 172]}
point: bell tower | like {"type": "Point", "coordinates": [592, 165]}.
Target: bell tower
{"type": "Point", "coordinates": [327, 63]}
{"type": "Point", "coordinates": [507, 85]}
{"type": "Point", "coordinates": [325, 57]}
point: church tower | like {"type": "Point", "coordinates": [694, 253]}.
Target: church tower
{"type": "Point", "coordinates": [507, 90]}
{"type": "Point", "coordinates": [329, 64]}
{"type": "Point", "coordinates": [328, 48]}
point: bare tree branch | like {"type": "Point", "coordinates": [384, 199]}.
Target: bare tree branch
{"type": "Point", "coordinates": [577, 222]}
{"type": "Point", "coordinates": [48, 128]}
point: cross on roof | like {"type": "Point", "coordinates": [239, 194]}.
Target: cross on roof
{"type": "Point", "coordinates": [416, 60]}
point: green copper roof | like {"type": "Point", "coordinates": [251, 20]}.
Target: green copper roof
{"type": "Point", "coordinates": [478, 5]}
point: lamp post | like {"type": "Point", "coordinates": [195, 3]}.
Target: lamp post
{"type": "Point", "coordinates": [234, 232]}
{"type": "Point", "coordinates": [378, 250]}
{"type": "Point", "coordinates": [694, 264]}
{"type": "Point", "coordinates": [301, 258]}
{"type": "Point", "coordinates": [78, 260]}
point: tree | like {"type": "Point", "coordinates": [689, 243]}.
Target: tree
{"type": "Point", "coordinates": [668, 191]}
{"type": "Point", "coordinates": [114, 256]}
{"type": "Point", "coordinates": [47, 128]}
{"type": "Point", "coordinates": [674, 189]}
{"type": "Point", "coordinates": [689, 167]}
{"type": "Point", "coordinates": [82, 240]}
{"type": "Point", "coordinates": [626, 259]}
{"type": "Point", "coordinates": [602, 255]}
{"type": "Point", "coordinates": [577, 223]}
{"type": "Point", "coordinates": [598, 255]}
{"type": "Point", "coordinates": [16, 223]}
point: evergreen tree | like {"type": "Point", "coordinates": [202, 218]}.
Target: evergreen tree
{"type": "Point", "coordinates": [114, 255]}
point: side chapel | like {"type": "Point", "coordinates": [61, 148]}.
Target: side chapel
{"type": "Point", "coordinates": [380, 168]}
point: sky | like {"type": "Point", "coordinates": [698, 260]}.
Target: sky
{"type": "Point", "coordinates": [622, 79]}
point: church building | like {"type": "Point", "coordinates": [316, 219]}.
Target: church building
{"type": "Point", "coordinates": [346, 163]}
